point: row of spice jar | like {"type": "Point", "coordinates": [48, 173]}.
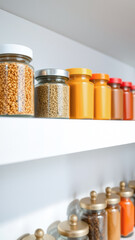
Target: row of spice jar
{"type": "Point", "coordinates": [103, 216]}
{"type": "Point", "coordinates": [73, 93]}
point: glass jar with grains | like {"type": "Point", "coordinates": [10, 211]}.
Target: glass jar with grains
{"type": "Point", "coordinates": [52, 93]}
{"type": "Point", "coordinates": [38, 235]}
{"type": "Point", "coordinates": [94, 213]}
{"type": "Point", "coordinates": [16, 81]}
{"type": "Point", "coordinates": [73, 229]}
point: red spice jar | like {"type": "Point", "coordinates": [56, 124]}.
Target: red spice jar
{"type": "Point", "coordinates": [117, 98]}
{"type": "Point", "coordinates": [127, 101]}
{"type": "Point", "coordinates": [133, 97]}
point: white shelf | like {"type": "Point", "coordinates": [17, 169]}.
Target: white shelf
{"type": "Point", "coordinates": [24, 139]}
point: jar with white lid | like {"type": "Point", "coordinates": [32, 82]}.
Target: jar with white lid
{"type": "Point", "coordinates": [16, 81]}
{"type": "Point", "coordinates": [38, 235]}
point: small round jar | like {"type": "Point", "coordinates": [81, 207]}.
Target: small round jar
{"type": "Point", "coordinates": [73, 229]}
{"type": "Point", "coordinates": [94, 213]}
{"type": "Point", "coordinates": [132, 186]}
{"type": "Point", "coordinates": [127, 101]}
{"type": "Point", "coordinates": [102, 96]}
{"type": "Point", "coordinates": [81, 93]}
{"type": "Point", "coordinates": [52, 93]}
{"type": "Point", "coordinates": [127, 209]}
{"type": "Point", "coordinates": [133, 97]}
{"type": "Point", "coordinates": [38, 235]}
{"type": "Point", "coordinates": [16, 81]}
{"type": "Point", "coordinates": [117, 99]}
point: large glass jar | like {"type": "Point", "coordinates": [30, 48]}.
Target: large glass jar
{"type": "Point", "coordinates": [93, 213]}
{"type": "Point", "coordinates": [102, 96]}
{"type": "Point", "coordinates": [52, 93]}
{"type": "Point", "coordinates": [127, 209]}
{"type": "Point", "coordinates": [16, 81]}
{"type": "Point", "coordinates": [73, 229]}
{"type": "Point", "coordinates": [132, 185]}
{"type": "Point", "coordinates": [133, 97]}
{"type": "Point", "coordinates": [127, 101]}
{"type": "Point", "coordinates": [117, 99]}
{"type": "Point", "coordinates": [81, 93]}
{"type": "Point", "coordinates": [38, 235]}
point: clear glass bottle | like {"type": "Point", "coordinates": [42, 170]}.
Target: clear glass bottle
{"type": "Point", "coordinates": [94, 213]}
{"type": "Point", "coordinates": [16, 81]}
{"type": "Point", "coordinates": [52, 93]}
{"type": "Point", "coordinates": [127, 209]}
{"type": "Point", "coordinates": [73, 229]}
{"type": "Point", "coordinates": [132, 185]}
{"type": "Point", "coordinates": [38, 235]}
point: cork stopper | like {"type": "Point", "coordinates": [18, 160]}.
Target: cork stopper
{"type": "Point", "coordinates": [39, 234]}
{"type": "Point", "coordinates": [73, 219]}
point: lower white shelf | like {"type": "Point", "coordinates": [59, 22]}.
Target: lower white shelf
{"type": "Point", "coordinates": [23, 139]}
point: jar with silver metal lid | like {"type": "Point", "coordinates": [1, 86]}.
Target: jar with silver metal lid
{"type": "Point", "coordinates": [52, 93]}
{"type": "Point", "coordinates": [95, 215]}
{"type": "Point", "coordinates": [73, 229]}
{"type": "Point", "coordinates": [38, 235]}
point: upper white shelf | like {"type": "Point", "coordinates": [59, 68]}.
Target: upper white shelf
{"type": "Point", "coordinates": [24, 139]}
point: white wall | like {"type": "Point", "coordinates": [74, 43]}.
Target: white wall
{"type": "Point", "coordinates": [34, 194]}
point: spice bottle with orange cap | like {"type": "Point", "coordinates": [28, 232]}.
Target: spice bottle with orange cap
{"type": "Point", "coordinates": [38, 235]}
{"type": "Point", "coordinates": [132, 185]}
{"type": "Point", "coordinates": [73, 229]}
{"type": "Point", "coordinates": [102, 96]}
{"type": "Point", "coordinates": [127, 209]}
{"type": "Point", "coordinates": [81, 93]}
{"type": "Point", "coordinates": [133, 98]}
{"type": "Point", "coordinates": [127, 101]}
{"type": "Point", "coordinates": [117, 99]}
{"type": "Point", "coordinates": [94, 213]}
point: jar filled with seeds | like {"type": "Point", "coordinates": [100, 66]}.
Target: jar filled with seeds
{"type": "Point", "coordinates": [38, 235]}
{"type": "Point", "coordinates": [52, 93]}
{"type": "Point", "coordinates": [94, 213]}
{"type": "Point", "coordinates": [16, 81]}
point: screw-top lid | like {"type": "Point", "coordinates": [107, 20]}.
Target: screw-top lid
{"type": "Point", "coordinates": [123, 191]}
{"type": "Point", "coordinates": [110, 197]}
{"type": "Point", "coordinates": [51, 72]}
{"type": "Point", "coordinates": [81, 71]}
{"type": "Point", "coordinates": [73, 228]}
{"type": "Point", "coordinates": [6, 49]}
{"type": "Point", "coordinates": [39, 235]}
{"type": "Point", "coordinates": [126, 84]}
{"type": "Point", "coordinates": [98, 76]}
{"type": "Point", "coordinates": [94, 202]}
{"type": "Point", "coordinates": [115, 80]}
{"type": "Point", "coordinates": [132, 184]}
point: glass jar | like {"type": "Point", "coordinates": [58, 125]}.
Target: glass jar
{"type": "Point", "coordinates": [127, 101]}
{"type": "Point", "coordinates": [38, 235]}
{"type": "Point", "coordinates": [117, 99]}
{"type": "Point", "coordinates": [73, 229]}
{"type": "Point", "coordinates": [16, 81]}
{"type": "Point", "coordinates": [102, 96]}
{"type": "Point", "coordinates": [127, 209]}
{"type": "Point", "coordinates": [133, 97]}
{"type": "Point", "coordinates": [81, 94]}
{"type": "Point", "coordinates": [132, 185]}
{"type": "Point", "coordinates": [93, 213]}
{"type": "Point", "coordinates": [52, 93]}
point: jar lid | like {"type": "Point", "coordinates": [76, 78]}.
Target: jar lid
{"type": "Point", "coordinates": [39, 235]}
{"type": "Point", "coordinates": [73, 228]}
{"type": "Point", "coordinates": [94, 202]}
{"type": "Point", "coordinates": [132, 184]}
{"type": "Point", "coordinates": [133, 87]}
{"type": "Point", "coordinates": [123, 191]}
{"type": "Point", "coordinates": [110, 197]}
{"type": "Point", "coordinates": [126, 84]}
{"type": "Point", "coordinates": [52, 72]}
{"type": "Point", "coordinates": [115, 80]}
{"type": "Point", "coordinates": [98, 76]}
{"type": "Point", "coordinates": [81, 71]}
{"type": "Point", "coordinates": [6, 49]}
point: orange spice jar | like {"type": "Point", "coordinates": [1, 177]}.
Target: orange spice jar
{"type": "Point", "coordinates": [127, 101]}
{"type": "Point", "coordinates": [132, 185]}
{"type": "Point", "coordinates": [102, 96]}
{"type": "Point", "coordinates": [127, 209]}
{"type": "Point", "coordinates": [81, 93]}
{"type": "Point", "coordinates": [133, 97]}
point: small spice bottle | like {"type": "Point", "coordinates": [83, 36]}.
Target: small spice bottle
{"type": "Point", "coordinates": [94, 213]}
{"type": "Point", "coordinates": [16, 81]}
{"type": "Point", "coordinates": [117, 99]}
{"type": "Point", "coordinates": [113, 214]}
{"type": "Point", "coordinates": [81, 93]}
{"type": "Point", "coordinates": [133, 97]}
{"type": "Point", "coordinates": [127, 209]}
{"type": "Point", "coordinates": [73, 229]}
{"type": "Point", "coordinates": [52, 93]}
{"type": "Point", "coordinates": [38, 235]}
{"type": "Point", "coordinates": [132, 186]}
{"type": "Point", "coordinates": [127, 101]}
{"type": "Point", "coordinates": [102, 96]}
